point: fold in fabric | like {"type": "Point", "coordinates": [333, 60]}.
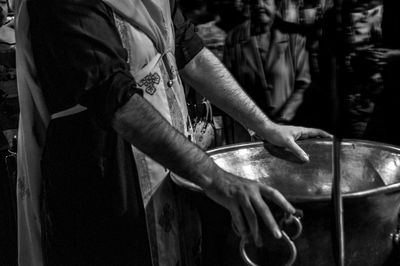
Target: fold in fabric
{"type": "Point", "coordinates": [33, 122]}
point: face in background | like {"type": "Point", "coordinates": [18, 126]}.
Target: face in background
{"type": "Point", "coordinates": [3, 12]}
{"type": "Point", "coordinates": [365, 25]}
{"type": "Point", "coordinates": [231, 12]}
{"type": "Point", "coordinates": [262, 12]}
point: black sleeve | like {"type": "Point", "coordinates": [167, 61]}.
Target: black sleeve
{"type": "Point", "coordinates": [110, 95]}
{"type": "Point", "coordinates": [79, 55]}
{"type": "Point", "coordinates": [187, 42]}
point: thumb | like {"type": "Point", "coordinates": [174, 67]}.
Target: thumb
{"type": "Point", "coordinates": [299, 152]}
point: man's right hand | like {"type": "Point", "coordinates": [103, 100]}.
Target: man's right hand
{"type": "Point", "coordinates": [139, 124]}
{"type": "Point", "coordinates": [245, 199]}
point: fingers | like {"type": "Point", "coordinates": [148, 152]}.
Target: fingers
{"type": "Point", "coordinates": [296, 133]}
{"type": "Point", "coordinates": [254, 206]}
{"type": "Point", "coordinates": [251, 219]}
{"type": "Point", "coordinates": [306, 133]}
{"type": "Point", "coordinates": [265, 213]}
{"type": "Point", "coordinates": [250, 205]}
{"type": "Point", "coordinates": [381, 50]}
{"type": "Point", "coordinates": [381, 63]}
{"type": "Point", "coordinates": [238, 223]}
{"type": "Point", "coordinates": [382, 56]}
{"type": "Point", "coordinates": [277, 198]}
{"type": "Point", "coordinates": [297, 151]}
{"type": "Point", "coordinates": [379, 56]}
{"type": "Point", "coordinates": [314, 133]}
{"type": "Point", "coordinates": [380, 59]}
{"type": "Point", "coordinates": [380, 53]}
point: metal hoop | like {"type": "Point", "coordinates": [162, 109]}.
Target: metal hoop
{"type": "Point", "coordinates": [292, 247]}
{"type": "Point", "coordinates": [285, 237]}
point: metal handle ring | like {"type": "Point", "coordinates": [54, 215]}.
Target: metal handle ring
{"type": "Point", "coordinates": [292, 219]}
{"type": "Point", "coordinates": [285, 237]}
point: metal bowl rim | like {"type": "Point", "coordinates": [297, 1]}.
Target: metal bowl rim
{"type": "Point", "coordinates": [349, 195]}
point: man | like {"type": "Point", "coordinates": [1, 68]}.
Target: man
{"type": "Point", "coordinates": [271, 65]}
{"type": "Point", "coordinates": [362, 74]}
{"type": "Point", "coordinates": [381, 126]}
{"type": "Point", "coordinates": [106, 202]}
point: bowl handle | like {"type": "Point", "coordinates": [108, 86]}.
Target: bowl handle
{"type": "Point", "coordinates": [285, 237]}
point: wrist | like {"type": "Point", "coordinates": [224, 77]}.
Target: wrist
{"type": "Point", "coordinates": [268, 130]}
{"type": "Point", "coordinates": [205, 174]}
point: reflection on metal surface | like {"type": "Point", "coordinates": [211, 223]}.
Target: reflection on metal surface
{"type": "Point", "coordinates": [371, 200]}
{"type": "Point", "coordinates": [367, 167]}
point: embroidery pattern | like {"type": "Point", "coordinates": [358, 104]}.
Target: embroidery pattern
{"type": "Point", "coordinates": [149, 81]}
{"type": "Point", "coordinates": [23, 190]}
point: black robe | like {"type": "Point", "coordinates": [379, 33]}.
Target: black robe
{"type": "Point", "coordinates": [92, 210]}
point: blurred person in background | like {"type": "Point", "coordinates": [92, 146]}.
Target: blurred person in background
{"type": "Point", "coordinates": [362, 80]}
{"type": "Point", "coordinates": [383, 123]}
{"type": "Point", "coordinates": [9, 111]}
{"type": "Point", "coordinates": [204, 14]}
{"type": "Point", "coordinates": [8, 80]}
{"type": "Point", "coordinates": [270, 64]}
{"type": "Point", "coordinates": [309, 18]}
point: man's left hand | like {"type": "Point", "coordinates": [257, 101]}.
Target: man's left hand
{"type": "Point", "coordinates": [286, 136]}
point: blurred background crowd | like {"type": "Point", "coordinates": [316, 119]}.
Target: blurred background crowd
{"type": "Point", "coordinates": [288, 55]}
{"type": "Point", "coordinates": [282, 57]}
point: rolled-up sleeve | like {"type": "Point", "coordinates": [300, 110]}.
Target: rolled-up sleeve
{"type": "Point", "coordinates": [79, 56]}
{"type": "Point", "coordinates": [110, 95]}
{"type": "Point", "coordinates": [187, 43]}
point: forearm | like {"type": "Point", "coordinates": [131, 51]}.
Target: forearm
{"type": "Point", "coordinates": [142, 126]}
{"type": "Point", "coordinates": [207, 75]}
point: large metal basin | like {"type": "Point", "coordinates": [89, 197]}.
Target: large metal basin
{"type": "Point", "coordinates": [370, 174]}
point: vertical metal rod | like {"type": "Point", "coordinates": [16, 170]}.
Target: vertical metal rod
{"type": "Point", "coordinates": [338, 203]}
{"type": "Point", "coordinates": [337, 198]}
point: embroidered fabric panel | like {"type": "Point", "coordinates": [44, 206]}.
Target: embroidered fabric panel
{"type": "Point", "coordinates": [176, 113]}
